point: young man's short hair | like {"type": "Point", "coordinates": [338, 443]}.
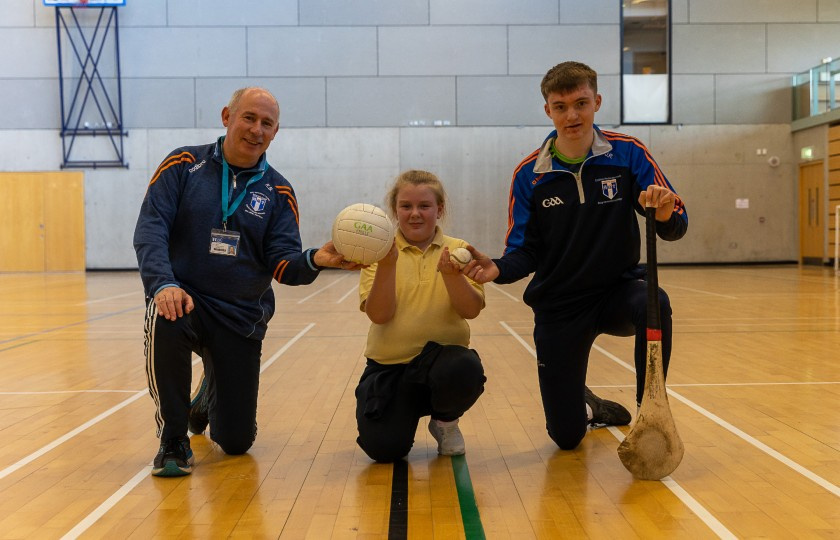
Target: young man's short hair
{"type": "Point", "coordinates": [567, 77]}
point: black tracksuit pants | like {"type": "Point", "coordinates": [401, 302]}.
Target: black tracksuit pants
{"type": "Point", "coordinates": [231, 367]}
{"type": "Point", "coordinates": [443, 381]}
{"type": "Point", "coordinates": [563, 344]}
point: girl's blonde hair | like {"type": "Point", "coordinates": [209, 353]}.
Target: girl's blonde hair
{"type": "Point", "coordinates": [416, 178]}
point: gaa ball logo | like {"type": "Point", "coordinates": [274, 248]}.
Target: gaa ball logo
{"type": "Point", "coordinates": [363, 233]}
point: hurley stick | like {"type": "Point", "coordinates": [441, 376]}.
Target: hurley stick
{"type": "Point", "coordinates": [652, 448]}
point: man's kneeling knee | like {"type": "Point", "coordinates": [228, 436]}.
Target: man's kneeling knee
{"type": "Point", "coordinates": [233, 446]}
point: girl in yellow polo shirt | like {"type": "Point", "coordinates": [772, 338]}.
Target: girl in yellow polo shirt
{"type": "Point", "coordinates": [418, 301]}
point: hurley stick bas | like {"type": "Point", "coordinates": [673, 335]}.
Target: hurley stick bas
{"type": "Point", "coordinates": [653, 448]}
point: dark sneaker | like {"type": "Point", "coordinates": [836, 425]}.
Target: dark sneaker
{"type": "Point", "coordinates": [605, 412]}
{"type": "Point", "coordinates": [199, 408]}
{"type": "Point", "coordinates": [174, 458]}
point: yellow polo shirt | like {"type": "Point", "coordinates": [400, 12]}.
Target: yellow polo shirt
{"type": "Point", "coordinates": [423, 312]}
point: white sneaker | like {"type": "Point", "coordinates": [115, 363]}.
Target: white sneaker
{"type": "Point", "coordinates": [448, 436]}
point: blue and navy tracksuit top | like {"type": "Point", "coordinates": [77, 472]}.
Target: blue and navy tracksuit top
{"type": "Point", "coordinates": [183, 204]}
{"type": "Point", "coordinates": [578, 232]}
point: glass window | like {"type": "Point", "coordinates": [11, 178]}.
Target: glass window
{"type": "Point", "coordinates": [645, 62]}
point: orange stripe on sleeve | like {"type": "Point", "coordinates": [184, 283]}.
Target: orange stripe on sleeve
{"type": "Point", "coordinates": [183, 157]}
{"type": "Point", "coordinates": [281, 267]}
{"type": "Point", "coordinates": [658, 175]}
{"type": "Point", "coordinates": [511, 197]}
{"type": "Point", "coordinates": [287, 191]}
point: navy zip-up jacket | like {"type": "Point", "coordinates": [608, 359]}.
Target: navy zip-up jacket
{"type": "Point", "coordinates": [183, 204]}
{"type": "Point", "coordinates": [578, 232]}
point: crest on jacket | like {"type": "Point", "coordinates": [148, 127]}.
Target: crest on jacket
{"type": "Point", "coordinates": [609, 187]}
{"type": "Point", "coordinates": [256, 206]}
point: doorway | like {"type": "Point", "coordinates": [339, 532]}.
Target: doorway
{"type": "Point", "coordinates": [811, 218]}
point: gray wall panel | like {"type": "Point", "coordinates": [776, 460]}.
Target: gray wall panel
{"type": "Point", "coordinates": [710, 167]}
{"type": "Point", "coordinates": [693, 99]}
{"type": "Point", "coordinates": [22, 15]}
{"type": "Point", "coordinates": [381, 101]}
{"type": "Point", "coordinates": [307, 52]}
{"type": "Point", "coordinates": [475, 166]}
{"type": "Point", "coordinates": [719, 144]}
{"type": "Point", "coordinates": [719, 48]}
{"type": "Point", "coordinates": [679, 11]}
{"type": "Point", "coordinates": [609, 86]}
{"type": "Point", "coordinates": [111, 210]}
{"type": "Point", "coordinates": [333, 168]}
{"type": "Point", "coordinates": [479, 104]}
{"type": "Point", "coordinates": [45, 111]}
{"type": "Point", "coordinates": [227, 13]}
{"type": "Point", "coordinates": [28, 53]}
{"type": "Point", "coordinates": [33, 150]}
{"type": "Point", "coordinates": [363, 12]}
{"type": "Point", "coordinates": [813, 43]}
{"type": "Point", "coordinates": [182, 52]}
{"type": "Point", "coordinates": [456, 50]}
{"type": "Point", "coordinates": [302, 100]}
{"type": "Point", "coordinates": [535, 49]}
{"type": "Point", "coordinates": [590, 12]}
{"type": "Point", "coordinates": [752, 99]}
{"type": "Point", "coordinates": [158, 103]}
{"type": "Point", "coordinates": [751, 11]}
{"type": "Point", "coordinates": [828, 11]}
{"type": "Point", "coordinates": [475, 12]}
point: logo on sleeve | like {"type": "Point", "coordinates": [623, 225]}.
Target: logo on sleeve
{"type": "Point", "coordinates": [197, 166]}
{"type": "Point", "coordinates": [256, 206]}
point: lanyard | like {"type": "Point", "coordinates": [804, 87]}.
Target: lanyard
{"type": "Point", "coordinates": [227, 208]}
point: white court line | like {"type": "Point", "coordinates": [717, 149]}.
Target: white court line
{"type": "Point", "coordinates": [109, 298]}
{"type": "Point", "coordinates": [711, 521]}
{"type": "Point", "coordinates": [669, 286]}
{"type": "Point", "coordinates": [100, 511]}
{"type": "Point", "coordinates": [518, 338]}
{"type": "Point", "coordinates": [36, 393]}
{"type": "Point", "coordinates": [692, 504]}
{"type": "Point", "coordinates": [322, 289]}
{"type": "Point", "coordinates": [504, 292]}
{"type": "Point", "coordinates": [753, 384]}
{"type": "Point", "coordinates": [118, 495]}
{"type": "Point", "coordinates": [732, 429]}
{"type": "Point", "coordinates": [69, 435]}
{"type": "Point", "coordinates": [340, 300]}
{"type": "Point", "coordinates": [285, 347]}
{"type": "Point", "coordinates": [739, 319]}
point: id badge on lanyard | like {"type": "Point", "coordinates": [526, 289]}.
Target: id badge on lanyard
{"type": "Point", "coordinates": [225, 241]}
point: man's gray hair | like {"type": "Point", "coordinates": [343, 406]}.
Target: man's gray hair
{"type": "Point", "coordinates": [237, 96]}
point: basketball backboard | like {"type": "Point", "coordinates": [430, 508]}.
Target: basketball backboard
{"type": "Point", "coordinates": [83, 3]}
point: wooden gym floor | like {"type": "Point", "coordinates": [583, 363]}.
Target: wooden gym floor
{"type": "Point", "coordinates": [754, 388]}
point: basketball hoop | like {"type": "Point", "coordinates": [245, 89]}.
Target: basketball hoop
{"type": "Point", "coordinates": [84, 3]}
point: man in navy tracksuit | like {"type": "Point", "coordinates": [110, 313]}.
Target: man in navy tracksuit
{"type": "Point", "coordinates": [572, 223]}
{"type": "Point", "coordinates": [218, 223]}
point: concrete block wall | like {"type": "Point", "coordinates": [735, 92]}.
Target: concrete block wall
{"type": "Point", "coordinates": [371, 87]}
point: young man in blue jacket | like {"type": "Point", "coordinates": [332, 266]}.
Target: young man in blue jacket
{"type": "Point", "coordinates": [572, 223]}
{"type": "Point", "coordinates": [218, 223]}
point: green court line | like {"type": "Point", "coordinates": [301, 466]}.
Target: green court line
{"type": "Point", "coordinates": [473, 529]}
